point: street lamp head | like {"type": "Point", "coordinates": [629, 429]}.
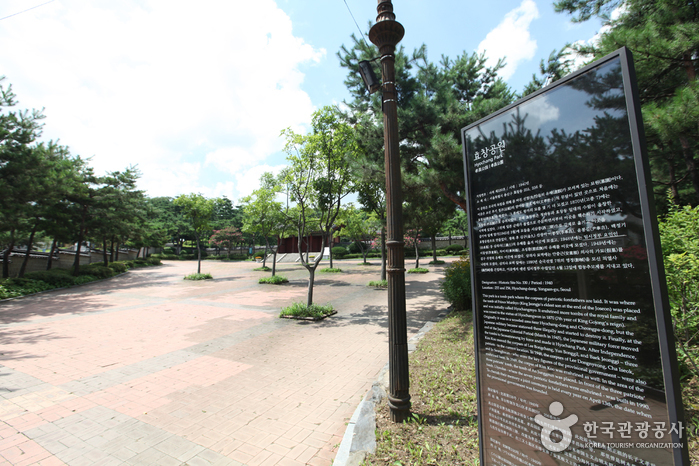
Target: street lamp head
{"type": "Point", "coordinates": [371, 82]}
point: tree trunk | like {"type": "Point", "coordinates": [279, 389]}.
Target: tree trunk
{"type": "Point", "coordinates": [81, 236]}
{"type": "Point", "coordinates": [105, 259]}
{"type": "Point", "coordinates": [116, 253]}
{"type": "Point", "coordinates": [198, 254]}
{"type": "Point", "coordinates": [691, 164]}
{"type": "Point", "coordinates": [330, 248]}
{"type": "Point", "coordinates": [264, 259]}
{"type": "Point", "coordinates": [383, 253]}
{"type": "Point", "coordinates": [311, 279]}
{"type": "Point", "coordinates": [274, 261]}
{"type": "Point", "coordinates": [49, 262]}
{"type": "Point", "coordinates": [111, 251]}
{"type": "Point", "coordinates": [417, 251]}
{"type": "Point", "coordinates": [23, 268]}
{"type": "Point", "coordinates": [434, 249]}
{"type": "Point", "coordinates": [76, 260]}
{"type": "Point", "coordinates": [673, 183]}
{"type": "Point", "coordinates": [6, 256]}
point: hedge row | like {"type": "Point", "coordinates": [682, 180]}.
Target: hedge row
{"type": "Point", "coordinates": [42, 280]}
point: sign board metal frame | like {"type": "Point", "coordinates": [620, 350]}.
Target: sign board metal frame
{"type": "Point", "coordinates": [501, 262]}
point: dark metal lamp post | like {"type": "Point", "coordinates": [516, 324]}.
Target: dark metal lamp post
{"type": "Point", "coordinates": [385, 34]}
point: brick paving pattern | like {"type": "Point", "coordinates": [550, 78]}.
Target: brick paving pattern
{"type": "Point", "coordinates": [147, 368]}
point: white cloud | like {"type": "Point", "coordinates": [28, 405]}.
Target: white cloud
{"type": "Point", "coordinates": [539, 110]}
{"type": "Point", "coordinates": [511, 39]}
{"type": "Point", "coordinates": [178, 88]}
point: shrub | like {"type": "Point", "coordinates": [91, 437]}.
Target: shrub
{"type": "Point", "coordinates": [199, 276]}
{"type": "Point", "coordinates": [22, 286]}
{"type": "Point", "coordinates": [353, 248]}
{"type": "Point", "coordinates": [454, 248]}
{"type": "Point", "coordinates": [153, 261]}
{"type": "Point", "coordinates": [276, 280]}
{"type": "Point", "coordinates": [379, 283]}
{"type": "Point", "coordinates": [679, 234]}
{"type": "Point", "coordinates": [339, 252]}
{"type": "Point", "coordinates": [187, 257]}
{"type": "Point", "coordinates": [463, 252]}
{"type": "Point", "coordinates": [437, 262]}
{"type": "Point", "coordinates": [8, 292]}
{"type": "Point", "coordinates": [52, 277]}
{"type": "Point", "coordinates": [330, 270]}
{"type": "Point", "coordinates": [262, 269]}
{"type": "Point", "coordinates": [170, 251]}
{"type": "Point", "coordinates": [301, 310]}
{"type": "Point", "coordinates": [442, 252]}
{"type": "Point", "coordinates": [97, 270]}
{"type": "Point", "coordinates": [85, 279]}
{"type": "Point", "coordinates": [418, 270]}
{"type": "Point", "coordinates": [238, 257]}
{"type": "Point", "coordinates": [118, 267]}
{"type": "Point", "coordinates": [457, 284]}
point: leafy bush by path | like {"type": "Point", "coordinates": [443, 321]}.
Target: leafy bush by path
{"type": "Point", "coordinates": [54, 278]}
{"type": "Point", "coordinates": [330, 270]}
{"type": "Point", "coordinates": [373, 254]}
{"type": "Point", "coordinates": [262, 269]}
{"type": "Point", "coordinates": [165, 256]}
{"type": "Point", "coordinates": [13, 287]}
{"type": "Point", "coordinates": [118, 267]}
{"type": "Point", "coordinates": [437, 262]}
{"type": "Point", "coordinates": [199, 276]}
{"type": "Point", "coordinates": [379, 283]}
{"type": "Point", "coordinates": [418, 270]}
{"type": "Point", "coordinates": [301, 310]}
{"type": "Point", "coordinates": [276, 280]}
{"type": "Point", "coordinates": [43, 280]}
{"type": "Point", "coordinates": [454, 248]}
{"type": "Point", "coordinates": [82, 279]}
{"type": "Point", "coordinates": [96, 269]}
{"type": "Point", "coordinates": [153, 261]}
{"type": "Point", "coordinates": [457, 284]}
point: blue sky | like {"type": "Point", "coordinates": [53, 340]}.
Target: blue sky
{"type": "Point", "coordinates": [196, 93]}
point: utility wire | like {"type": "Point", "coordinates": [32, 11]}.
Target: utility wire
{"type": "Point", "coordinates": [355, 23]}
{"type": "Point", "coordinates": [19, 13]}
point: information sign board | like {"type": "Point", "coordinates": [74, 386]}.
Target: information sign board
{"type": "Point", "coordinates": [575, 359]}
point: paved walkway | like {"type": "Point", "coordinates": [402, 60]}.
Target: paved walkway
{"type": "Point", "coordinates": [147, 368]}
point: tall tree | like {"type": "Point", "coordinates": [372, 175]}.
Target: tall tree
{"type": "Point", "coordinates": [198, 210]}
{"type": "Point", "coordinates": [319, 179]}
{"type": "Point", "coordinates": [20, 170]}
{"type": "Point", "coordinates": [360, 227]}
{"type": "Point", "coordinates": [663, 36]}
{"type": "Point", "coordinates": [262, 214]}
{"type": "Point", "coordinates": [435, 101]}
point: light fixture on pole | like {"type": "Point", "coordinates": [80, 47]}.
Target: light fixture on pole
{"type": "Point", "coordinates": [371, 82]}
{"type": "Point", "coordinates": [385, 34]}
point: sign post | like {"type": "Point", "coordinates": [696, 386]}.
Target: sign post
{"type": "Point", "coordinates": [575, 357]}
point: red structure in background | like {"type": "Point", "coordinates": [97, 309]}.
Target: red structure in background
{"type": "Point", "coordinates": [290, 245]}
